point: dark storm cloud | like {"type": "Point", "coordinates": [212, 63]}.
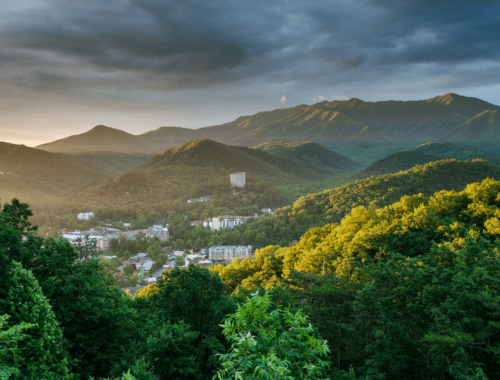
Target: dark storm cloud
{"type": "Point", "coordinates": [156, 45]}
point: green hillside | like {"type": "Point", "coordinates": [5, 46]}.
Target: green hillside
{"type": "Point", "coordinates": [229, 159]}
{"type": "Point", "coordinates": [459, 152]}
{"type": "Point", "coordinates": [330, 206]}
{"type": "Point", "coordinates": [399, 161]}
{"type": "Point", "coordinates": [335, 122]}
{"type": "Point", "coordinates": [198, 168]}
{"type": "Point", "coordinates": [310, 154]}
{"type": "Point", "coordinates": [481, 130]}
{"type": "Point", "coordinates": [111, 163]}
{"type": "Point", "coordinates": [168, 137]}
{"type": "Point", "coordinates": [41, 177]}
{"type": "Point", "coordinates": [312, 124]}
{"type": "Point", "coordinates": [430, 119]}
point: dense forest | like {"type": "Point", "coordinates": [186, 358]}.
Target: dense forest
{"type": "Point", "coordinates": [409, 290]}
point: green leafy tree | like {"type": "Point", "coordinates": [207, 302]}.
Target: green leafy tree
{"type": "Point", "coordinates": [10, 353]}
{"type": "Point", "coordinates": [199, 299]}
{"type": "Point", "coordinates": [271, 344]}
{"type": "Point", "coordinates": [40, 354]}
{"type": "Point", "coordinates": [86, 247]}
{"type": "Point", "coordinates": [18, 214]}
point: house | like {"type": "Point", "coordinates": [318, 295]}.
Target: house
{"type": "Point", "coordinates": [228, 252]}
{"type": "Point", "coordinates": [146, 265]}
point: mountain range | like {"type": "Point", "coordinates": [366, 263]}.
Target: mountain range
{"type": "Point", "coordinates": [353, 122]}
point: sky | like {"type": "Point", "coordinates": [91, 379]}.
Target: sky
{"type": "Point", "coordinates": [137, 65]}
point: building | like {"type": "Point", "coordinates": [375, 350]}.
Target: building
{"type": "Point", "coordinates": [146, 265]}
{"type": "Point", "coordinates": [85, 215]}
{"type": "Point", "coordinates": [102, 239]}
{"type": "Point", "coordinates": [267, 211]}
{"type": "Point", "coordinates": [205, 263]}
{"type": "Point", "coordinates": [226, 221]}
{"type": "Point", "coordinates": [228, 252]}
{"type": "Point", "coordinates": [238, 179]}
{"type": "Point", "coordinates": [160, 234]}
{"type": "Point", "coordinates": [206, 198]}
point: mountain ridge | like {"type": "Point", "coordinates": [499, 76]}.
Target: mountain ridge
{"type": "Point", "coordinates": [352, 122]}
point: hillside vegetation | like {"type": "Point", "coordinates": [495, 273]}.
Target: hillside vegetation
{"type": "Point", "coordinates": [312, 155]}
{"type": "Point", "coordinates": [330, 206]}
{"type": "Point", "coordinates": [111, 163]}
{"type": "Point", "coordinates": [42, 177]}
{"type": "Point", "coordinates": [399, 161]}
{"type": "Point", "coordinates": [459, 152]}
{"type": "Point", "coordinates": [198, 168]}
{"type": "Point", "coordinates": [419, 275]}
{"type": "Point", "coordinates": [481, 130]}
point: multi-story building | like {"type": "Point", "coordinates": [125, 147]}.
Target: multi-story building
{"type": "Point", "coordinates": [85, 215]}
{"type": "Point", "coordinates": [238, 179]}
{"type": "Point", "coordinates": [228, 252]}
{"type": "Point", "coordinates": [160, 233]}
{"type": "Point", "coordinates": [226, 221]}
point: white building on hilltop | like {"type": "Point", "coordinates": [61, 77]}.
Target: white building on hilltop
{"type": "Point", "coordinates": [228, 252]}
{"type": "Point", "coordinates": [85, 215]}
{"type": "Point", "coordinates": [238, 179]}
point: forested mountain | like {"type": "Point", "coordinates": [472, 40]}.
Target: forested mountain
{"type": "Point", "coordinates": [100, 138]}
{"type": "Point", "coordinates": [481, 130]}
{"type": "Point", "coordinates": [423, 154]}
{"type": "Point", "coordinates": [347, 124]}
{"type": "Point", "coordinates": [330, 206]}
{"type": "Point", "coordinates": [229, 159]}
{"type": "Point", "coordinates": [41, 177]}
{"type": "Point", "coordinates": [309, 123]}
{"type": "Point", "coordinates": [310, 154]}
{"type": "Point", "coordinates": [111, 163]}
{"type": "Point", "coordinates": [459, 152]}
{"type": "Point", "coordinates": [167, 137]}
{"type": "Point", "coordinates": [198, 168]}
{"type": "Point", "coordinates": [397, 162]}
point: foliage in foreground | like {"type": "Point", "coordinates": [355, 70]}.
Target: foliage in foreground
{"type": "Point", "coordinates": [408, 291]}
{"type": "Point", "coordinates": [269, 344]}
{"type": "Point", "coordinates": [32, 349]}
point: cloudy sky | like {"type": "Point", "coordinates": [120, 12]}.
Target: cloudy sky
{"type": "Point", "coordinates": [136, 65]}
